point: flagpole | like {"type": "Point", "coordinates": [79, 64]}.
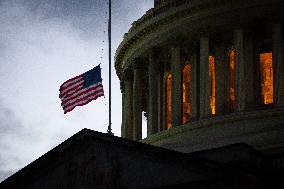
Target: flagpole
{"type": "Point", "coordinates": [109, 40]}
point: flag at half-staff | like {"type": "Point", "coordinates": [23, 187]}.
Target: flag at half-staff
{"type": "Point", "coordinates": [81, 89]}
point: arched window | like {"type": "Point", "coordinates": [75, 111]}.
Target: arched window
{"type": "Point", "coordinates": [231, 80]}
{"type": "Point", "coordinates": [168, 100]}
{"type": "Point", "coordinates": [185, 94]}
{"type": "Point", "coordinates": [212, 85]}
{"type": "Point", "coordinates": [266, 79]}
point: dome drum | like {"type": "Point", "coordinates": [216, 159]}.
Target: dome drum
{"type": "Point", "coordinates": [211, 64]}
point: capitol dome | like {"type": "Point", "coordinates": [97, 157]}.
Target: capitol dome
{"type": "Point", "coordinates": [207, 73]}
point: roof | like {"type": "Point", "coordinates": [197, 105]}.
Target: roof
{"type": "Point", "coordinates": [91, 159]}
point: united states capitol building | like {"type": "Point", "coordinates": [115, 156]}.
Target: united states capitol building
{"type": "Point", "coordinates": [209, 77]}
{"type": "Point", "coordinates": [207, 73]}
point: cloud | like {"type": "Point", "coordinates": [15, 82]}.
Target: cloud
{"type": "Point", "coordinates": [42, 44]}
{"type": "Point", "coordinates": [37, 54]}
{"type": "Point", "coordinates": [8, 122]}
{"type": "Point", "coordinates": [5, 174]}
{"type": "Point", "coordinates": [10, 131]}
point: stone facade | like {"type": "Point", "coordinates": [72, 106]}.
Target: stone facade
{"type": "Point", "coordinates": [236, 34]}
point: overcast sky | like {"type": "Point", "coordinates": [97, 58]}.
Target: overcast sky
{"type": "Point", "coordinates": [42, 44]}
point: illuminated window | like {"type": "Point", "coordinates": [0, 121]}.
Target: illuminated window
{"type": "Point", "coordinates": [266, 72]}
{"type": "Point", "coordinates": [185, 94]}
{"type": "Point", "coordinates": [168, 100]}
{"type": "Point", "coordinates": [232, 81]}
{"type": "Point", "coordinates": [212, 84]}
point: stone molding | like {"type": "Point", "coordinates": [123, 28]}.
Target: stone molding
{"type": "Point", "coordinates": [216, 122]}
{"type": "Point", "coordinates": [195, 10]}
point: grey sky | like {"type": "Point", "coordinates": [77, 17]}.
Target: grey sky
{"type": "Point", "coordinates": [42, 44]}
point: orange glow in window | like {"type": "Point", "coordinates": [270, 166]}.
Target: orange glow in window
{"type": "Point", "coordinates": [212, 85]}
{"type": "Point", "coordinates": [168, 101]}
{"type": "Point", "coordinates": [266, 72]}
{"type": "Point", "coordinates": [232, 81]}
{"type": "Point", "coordinates": [185, 94]}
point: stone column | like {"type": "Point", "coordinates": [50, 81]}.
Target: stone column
{"type": "Point", "coordinates": [160, 98]}
{"type": "Point", "coordinates": [123, 122]}
{"type": "Point", "coordinates": [257, 77]}
{"type": "Point", "coordinates": [164, 109]}
{"type": "Point", "coordinates": [153, 70]}
{"type": "Point", "coordinates": [220, 69]}
{"type": "Point", "coordinates": [128, 103]}
{"type": "Point", "coordinates": [176, 86]}
{"type": "Point", "coordinates": [239, 70]}
{"type": "Point", "coordinates": [250, 68]}
{"type": "Point", "coordinates": [193, 87]}
{"type": "Point", "coordinates": [226, 80]}
{"type": "Point", "coordinates": [278, 65]}
{"type": "Point", "coordinates": [204, 78]}
{"type": "Point", "coordinates": [137, 99]}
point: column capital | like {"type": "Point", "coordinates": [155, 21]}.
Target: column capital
{"type": "Point", "coordinates": [175, 49]}
{"type": "Point", "coordinates": [178, 42]}
{"type": "Point", "coordinates": [138, 64]}
{"type": "Point", "coordinates": [122, 87]}
{"type": "Point", "coordinates": [128, 75]}
{"type": "Point", "coordinates": [204, 32]}
{"type": "Point", "coordinates": [154, 60]}
{"type": "Point", "coordinates": [154, 53]}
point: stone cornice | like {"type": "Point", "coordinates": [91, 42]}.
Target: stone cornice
{"type": "Point", "coordinates": [259, 115]}
{"type": "Point", "coordinates": [153, 23]}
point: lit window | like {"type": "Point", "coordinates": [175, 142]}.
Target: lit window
{"type": "Point", "coordinates": [212, 85]}
{"type": "Point", "coordinates": [232, 81]}
{"type": "Point", "coordinates": [266, 72]}
{"type": "Point", "coordinates": [185, 94]}
{"type": "Point", "coordinates": [168, 100]}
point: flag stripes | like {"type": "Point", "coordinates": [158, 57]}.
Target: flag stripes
{"type": "Point", "coordinates": [84, 101]}
{"type": "Point", "coordinates": [70, 82]}
{"type": "Point", "coordinates": [81, 90]}
{"type": "Point", "coordinates": [83, 94]}
{"type": "Point", "coordinates": [78, 92]}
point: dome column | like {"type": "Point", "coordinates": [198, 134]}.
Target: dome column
{"type": "Point", "coordinates": [250, 76]}
{"type": "Point", "coordinates": [278, 61]}
{"type": "Point", "coordinates": [161, 89]}
{"type": "Point", "coordinates": [193, 84]}
{"type": "Point", "coordinates": [239, 70]}
{"type": "Point", "coordinates": [128, 103]}
{"type": "Point", "coordinates": [204, 78]}
{"type": "Point", "coordinates": [137, 99]}
{"type": "Point", "coordinates": [153, 79]}
{"type": "Point", "coordinates": [176, 86]}
{"type": "Point", "coordinates": [123, 123]}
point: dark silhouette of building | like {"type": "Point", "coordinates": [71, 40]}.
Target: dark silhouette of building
{"type": "Point", "coordinates": [94, 160]}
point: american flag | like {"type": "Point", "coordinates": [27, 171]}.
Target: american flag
{"type": "Point", "coordinates": [81, 90]}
